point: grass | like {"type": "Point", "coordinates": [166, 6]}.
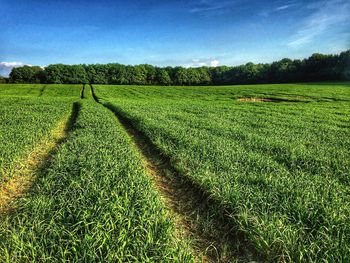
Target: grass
{"type": "Point", "coordinates": [281, 167]}
{"type": "Point", "coordinates": [27, 114]}
{"type": "Point", "coordinates": [275, 157]}
{"type": "Point", "coordinates": [94, 203]}
{"type": "Point", "coordinates": [25, 172]}
{"type": "Point", "coordinates": [40, 90]}
{"type": "Point", "coordinates": [197, 216]}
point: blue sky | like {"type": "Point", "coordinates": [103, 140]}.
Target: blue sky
{"type": "Point", "coordinates": [169, 32]}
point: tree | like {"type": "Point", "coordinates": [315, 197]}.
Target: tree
{"type": "Point", "coordinates": [76, 74]}
{"type": "Point", "coordinates": [137, 75]}
{"type": "Point", "coordinates": [54, 73]}
{"type": "Point", "coordinates": [162, 77]}
{"type": "Point", "coordinates": [317, 67]}
{"type": "Point", "coordinates": [151, 74]}
{"type": "Point", "coordinates": [204, 76]}
{"type": "Point", "coordinates": [217, 74]}
{"type": "Point", "coordinates": [27, 74]}
{"type": "Point", "coordinates": [117, 74]}
{"type": "Point", "coordinates": [3, 80]}
{"type": "Point", "coordinates": [97, 73]}
{"type": "Point", "coordinates": [343, 65]}
{"type": "Point", "coordinates": [180, 76]}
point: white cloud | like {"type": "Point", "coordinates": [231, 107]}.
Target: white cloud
{"type": "Point", "coordinates": [283, 7]}
{"type": "Point", "coordinates": [267, 13]}
{"type": "Point", "coordinates": [6, 67]}
{"type": "Point", "coordinates": [214, 63]}
{"type": "Point", "coordinates": [11, 64]}
{"type": "Point", "coordinates": [211, 5]}
{"type": "Point", "coordinates": [202, 63]}
{"type": "Point", "coordinates": [326, 15]}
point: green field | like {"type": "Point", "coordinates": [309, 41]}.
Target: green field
{"type": "Point", "coordinates": [94, 202]}
{"type": "Point", "coordinates": [274, 159]}
{"type": "Point", "coordinates": [27, 114]}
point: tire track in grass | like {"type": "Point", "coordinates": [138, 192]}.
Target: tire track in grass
{"type": "Point", "coordinates": [42, 90]}
{"type": "Point", "coordinates": [82, 92]}
{"type": "Point", "coordinates": [36, 161]}
{"type": "Point", "coordinates": [198, 217]}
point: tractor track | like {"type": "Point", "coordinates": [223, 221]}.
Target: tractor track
{"type": "Point", "coordinates": [42, 90]}
{"type": "Point", "coordinates": [82, 92]}
{"type": "Point", "coordinates": [199, 218]}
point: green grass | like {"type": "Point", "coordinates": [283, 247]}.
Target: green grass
{"type": "Point", "coordinates": [40, 90]}
{"type": "Point", "coordinates": [27, 115]}
{"type": "Point", "coordinates": [95, 203]}
{"type": "Point", "coordinates": [282, 168]}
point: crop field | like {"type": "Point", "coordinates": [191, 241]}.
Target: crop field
{"type": "Point", "coordinates": [281, 166]}
{"type": "Point", "coordinates": [94, 201]}
{"type": "Point", "coordinates": [175, 174]}
{"type": "Point", "coordinates": [28, 113]}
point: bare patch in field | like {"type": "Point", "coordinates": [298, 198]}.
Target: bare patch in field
{"type": "Point", "coordinates": [257, 100]}
{"type": "Point", "coordinates": [276, 100]}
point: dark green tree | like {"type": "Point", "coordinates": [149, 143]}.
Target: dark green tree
{"type": "Point", "coordinates": [27, 74]}
{"type": "Point", "coordinates": [54, 73]}
{"type": "Point", "coordinates": [317, 67]}
{"type": "Point", "coordinates": [180, 76]}
{"type": "Point", "coordinates": [162, 77]}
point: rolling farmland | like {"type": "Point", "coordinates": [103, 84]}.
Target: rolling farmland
{"type": "Point", "coordinates": [164, 174]}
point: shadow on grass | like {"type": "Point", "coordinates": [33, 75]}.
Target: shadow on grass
{"type": "Point", "coordinates": [23, 178]}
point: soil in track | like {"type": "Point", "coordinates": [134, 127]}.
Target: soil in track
{"type": "Point", "coordinates": [276, 100]}
{"type": "Point", "coordinates": [22, 178]}
{"type": "Point", "coordinates": [198, 217]}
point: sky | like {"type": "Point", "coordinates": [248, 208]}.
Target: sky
{"type": "Point", "coordinates": [169, 32]}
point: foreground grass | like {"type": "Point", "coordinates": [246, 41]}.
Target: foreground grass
{"type": "Point", "coordinates": [24, 173]}
{"type": "Point", "coordinates": [95, 203]}
{"type": "Point", "coordinates": [281, 168]}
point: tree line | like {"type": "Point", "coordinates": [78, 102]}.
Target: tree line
{"type": "Point", "coordinates": [317, 67]}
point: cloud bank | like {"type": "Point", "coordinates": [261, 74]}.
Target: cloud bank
{"type": "Point", "coordinates": [202, 63]}
{"type": "Point", "coordinates": [6, 67]}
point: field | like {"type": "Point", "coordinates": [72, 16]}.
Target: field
{"type": "Point", "coordinates": [225, 173]}
{"type": "Point", "coordinates": [27, 114]}
{"type": "Point", "coordinates": [93, 201]}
